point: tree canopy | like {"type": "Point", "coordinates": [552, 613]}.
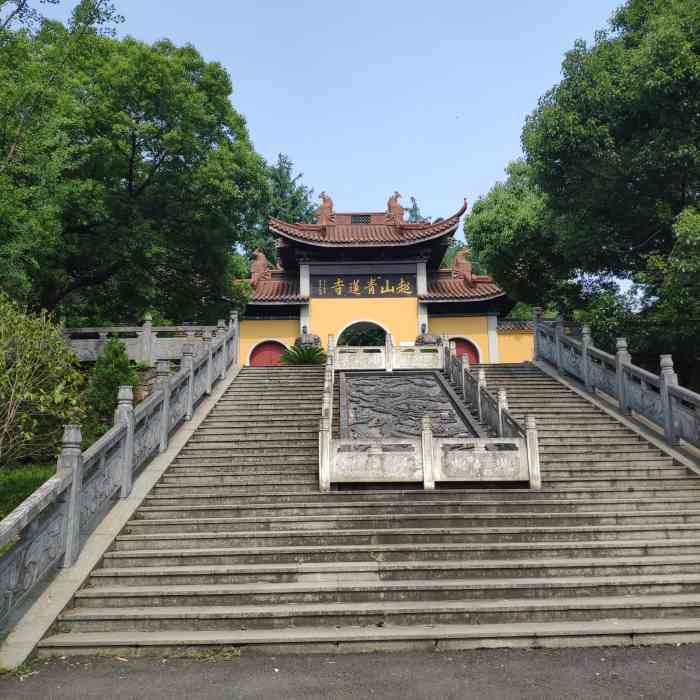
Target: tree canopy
{"type": "Point", "coordinates": [609, 187]}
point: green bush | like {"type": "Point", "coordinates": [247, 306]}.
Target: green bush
{"type": "Point", "coordinates": [39, 385]}
{"type": "Point", "coordinates": [18, 482]}
{"type": "Point", "coordinates": [112, 369]}
{"type": "Point", "coordinates": [306, 355]}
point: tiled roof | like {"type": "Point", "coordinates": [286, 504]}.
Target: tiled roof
{"type": "Point", "coordinates": [446, 287]}
{"type": "Point", "coordinates": [507, 324]}
{"type": "Point", "coordinates": [380, 231]}
{"type": "Point", "coordinates": [279, 290]}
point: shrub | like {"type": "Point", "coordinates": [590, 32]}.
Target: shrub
{"type": "Point", "coordinates": [112, 369]}
{"type": "Point", "coordinates": [39, 384]}
{"type": "Point", "coordinates": [305, 355]}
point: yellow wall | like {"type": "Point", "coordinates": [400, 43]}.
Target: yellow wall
{"type": "Point", "coordinates": [515, 346]}
{"type": "Point", "coordinates": [398, 316]}
{"type": "Point", "coordinates": [253, 331]}
{"type": "Point", "coordinates": [474, 328]}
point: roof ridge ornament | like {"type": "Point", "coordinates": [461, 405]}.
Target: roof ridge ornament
{"type": "Point", "coordinates": [324, 213]}
{"type": "Point", "coordinates": [394, 210]}
{"type": "Point", "coordinates": [259, 268]}
{"type": "Point", "coordinates": [462, 266]}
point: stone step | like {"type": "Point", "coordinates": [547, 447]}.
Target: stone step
{"type": "Point", "coordinates": [250, 452]}
{"type": "Point", "coordinates": [265, 510]}
{"type": "Point", "coordinates": [600, 441]}
{"type": "Point", "coordinates": [280, 469]}
{"type": "Point", "coordinates": [403, 535]}
{"type": "Point", "coordinates": [221, 617]}
{"type": "Point", "coordinates": [593, 482]}
{"type": "Point", "coordinates": [237, 460]}
{"type": "Point", "coordinates": [253, 487]}
{"type": "Point", "coordinates": [600, 449]}
{"type": "Point", "coordinates": [257, 432]}
{"type": "Point", "coordinates": [613, 472]}
{"type": "Point", "coordinates": [186, 480]}
{"type": "Point", "coordinates": [384, 521]}
{"type": "Point", "coordinates": [355, 639]}
{"type": "Point", "coordinates": [415, 551]}
{"type": "Point", "coordinates": [392, 571]}
{"type": "Point", "coordinates": [416, 590]}
{"type": "Point", "coordinates": [243, 441]}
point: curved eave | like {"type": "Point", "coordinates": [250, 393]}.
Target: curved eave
{"type": "Point", "coordinates": [460, 300]}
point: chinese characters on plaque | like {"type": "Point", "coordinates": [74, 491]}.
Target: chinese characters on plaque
{"type": "Point", "coordinates": [363, 286]}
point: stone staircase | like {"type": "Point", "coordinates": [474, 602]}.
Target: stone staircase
{"type": "Point", "coordinates": [236, 546]}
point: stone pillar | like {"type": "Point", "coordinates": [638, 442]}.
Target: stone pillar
{"type": "Point", "coordinates": [536, 318]}
{"type": "Point", "coordinates": [188, 364]}
{"type": "Point", "coordinates": [494, 354]}
{"type": "Point", "coordinates": [206, 340]}
{"type": "Point", "coordinates": [427, 453]}
{"type": "Point", "coordinates": [421, 278]}
{"type": "Point", "coordinates": [235, 324]}
{"type": "Point", "coordinates": [388, 353]}
{"type": "Point", "coordinates": [304, 280]}
{"type": "Point", "coordinates": [221, 333]}
{"type": "Point", "coordinates": [422, 318]}
{"type": "Point", "coordinates": [163, 373]}
{"type": "Point", "coordinates": [668, 378]}
{"type": "Point", "coordinates": [124, 413]}
{"type": "Point", "coordinates": [502, 406]}
{"type": "Point", "coordinates": [558, 332]}
{"type": "Point", "coordinates": [465, 370]}
{"type": "Point", "coordinates": [587, 343]}
{"type": "Point", "coordinates": [304, 318]}
{"type": "Point", "coordinates": [480, 382]}
{"type": "Point", "coordinates": [71, 460]}
{"type": "Point", "coordinates": [147, 341]}
{"type": "Point", "coordinates": [622, 358]}
{"type": "Point", "coordinates": [331, 343]}
{"type": "Point", "coordinates": [533, 452]}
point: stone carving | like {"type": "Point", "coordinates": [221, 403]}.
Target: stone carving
{"type": "Point", "coordinates": [259, 268]}
{"type": "Point", "coordinates": [480, 460]}
{"type": "Point", "coordinates": [100, 485]}
{"type": "Point", "coordinates": [383, 406]}
{"type": "Point", "coordinates": [146, 438]}
{"type": "Point", "coordinates": [394, 210]}
{"type": "Point", "coordinates": [307, 339]}
{"type": "Point", "coordinates": [381, 461]}
{"type": "Point", "coordinates": [324, 213]}
{"type": "Point", "coordinates": [424, 338]}
{"type": "Point", "coordinates": [462, 266]}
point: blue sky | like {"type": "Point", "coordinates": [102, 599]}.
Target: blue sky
{"type": "Point", "coordinates": [366, 97]}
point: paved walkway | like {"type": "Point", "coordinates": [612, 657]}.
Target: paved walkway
{"type": "Point", "coordinates": [662, 672]}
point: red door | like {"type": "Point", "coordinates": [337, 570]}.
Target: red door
{"type": "Point", "coordinates": [464, 347]}
{"type": "Point", "coordinates": [267, 354]}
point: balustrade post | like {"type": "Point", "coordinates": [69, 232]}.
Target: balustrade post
{"type": "Point", "coordinates": [427, 453]}
{"type": "Point", "coordinates": [465, 371]}
{"type": "Point", "coordinates": [480, 383]}
{"type": "Point", "coordinates": [221, 332]}
{"type": "Point", "coordinates": [163, 374]}
{"type": "Point", "coordinates": [235, 324]}
{"type": "Point", "coordinates": [188, 364]}
{"type": "Point", "coordinates": [558, 332]}
{"type": "Point", "coordinates": [124, 413]}
{"type": "Point", "coordinates": [147, 341]}
{"type": "Point", "coordinates": [502, 406]}
{"type": "Point", "coordinates": [586, 344]}
{"type": "Point", "coordinates": [536, 318]}
{"type": "Point", "coordinates": [71, 460]}
{"type": "Point", "coordinates": [206, 340]}
{"type": "Point", "coordinates": [622, 358]}
{"type": "Point", "coordinates": [324, 447]}
{"type": "Point", "coordinates": [533, 452]}
{"type": "Point", "coordinates": [668, 378]}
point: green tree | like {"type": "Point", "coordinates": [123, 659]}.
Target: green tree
{"type": "Point", "coordinates": [112, 369]}
{"type": "Point", "coordinates": [39, 384]}
{"type": "Point", "coordinates": [144, 177]}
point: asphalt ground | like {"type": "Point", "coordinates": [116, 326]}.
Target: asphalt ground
{"type": "Point", "coordinates": [648, 672]}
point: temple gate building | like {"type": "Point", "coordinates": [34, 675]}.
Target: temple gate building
{"type": "Point", "coordinates": [354, 269]}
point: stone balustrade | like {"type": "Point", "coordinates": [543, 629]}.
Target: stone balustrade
{"type": "Point", "coordinates": [658, 398]}
{"type": "Point", "coordinates": [47, 530]}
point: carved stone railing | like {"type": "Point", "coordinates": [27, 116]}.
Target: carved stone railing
{"type": "Point", "coordinates": [428, 459]}
{"type": "Point", "coordinates": [493, 411]}
{"type": "Point", "coordinates": [46, 530]}
{"type": "Point", "coordinates": [388, 358]}
{"type": "Point", "coordinates": [325, 432]}
{"type": "Point", "coordinates": [146, 343]}
{"type": "Point", "coordinates": [657, 398]}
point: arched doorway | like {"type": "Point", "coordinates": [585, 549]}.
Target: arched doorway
{"type": "Point", "coordinates": [267, 354]}
{"type": "Point", "coordinates": [466, 347]}
{"type": "Point", "coordinates": [363, 334]}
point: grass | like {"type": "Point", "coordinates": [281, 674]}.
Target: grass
{"type": "Point", "coordinates": [19, 481]}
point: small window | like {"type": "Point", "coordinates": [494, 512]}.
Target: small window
{"type": "Point", "coordinates": [360, 219]}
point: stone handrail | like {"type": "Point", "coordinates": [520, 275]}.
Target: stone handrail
{"type": "Point", "coordinates": [493, 411]}
{"type": "Point", "coordinates": [47, 529]}
{"type": "Point", "coordinates": [325, 429]}
{"type": "Point", "coordinates": [146, 343]}
{"type": "Point", "coordinates": [658, 398]}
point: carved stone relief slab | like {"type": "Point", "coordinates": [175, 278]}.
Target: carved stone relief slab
{"type": "Point", "coordinates": [393, 405]}
{"type": "Point", "coordinates": [377, 461]}
{"type": "Point", "coordinates": [480, 460]}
